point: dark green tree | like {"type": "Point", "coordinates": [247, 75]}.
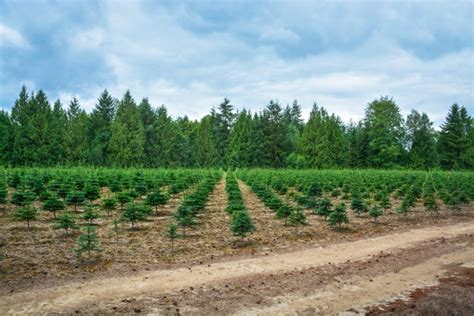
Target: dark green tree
{"type": "Point", "coordinates": [66, 221]}
{"type": "Point", "coordinates": [100, 130]}
{"type": "Point", "coordinates": [241, 224]}
{"type": "Point", "coordinates": [338, 216]}
{"type": "Point", "coordinates": [75, 198]}
{"type": "Point", "coordinates": [171, 233]}
{"type": "Point", "coordinates": [384, 125]}
{"type": "Point", "coordinates": [53, 204]}
{"type": "Point", "coordinates": [25, 214]}
{"type": "Point", "coordinates": [421, 141]}
{"type": "Point", "coordinates": [87, 242]}
{"type": "Point", "coordinates": [127, 141]}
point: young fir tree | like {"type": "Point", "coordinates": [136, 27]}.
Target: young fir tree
{"type": "Point", "coordinates": [338, 216]}
{"type": "Point", "coordinates": [171, 233]}
{"type": "Point", "coordinates": [25, 214]}
{"type": "Point", "coordinates": [53, 204]}
{"type": "Point", "coordinates": [75, 198]}
{"type": "Point", "coordinates": [324, 208]}
{"type": "Point", "coordinates": [109, 205]}
{"type": "Point", "coordinates": [123, 198]}
{"type": "Point", "coordinates": [284, 212]}
{"type": "Point", "coordinates": [133, 214]}
{"type": "Point", "coordinates": [3, 194]}
{"type": "Point", "coordinates": [184, 218]}
{"type": "Point", "coordinates": [385, 200]}
{"type": "Point", "coordinates": [241, 224]}
{"type": "Point", "coordinates": [90, 214]}
{"type": "Point", "coordinates": [429, 197]}
{"type": "Point", "coordinates": [408, 202]}
{"type": "Point", "coordinates": [87, 242]}
{"type": "Point", "coordinates": [91, 192]}
{"type": "Point", "coordinates": [297, 217]}
{"type": "Point", "coordinates": [66, 221]}
{"type": "Point", "coordinates": [375, 212]}
{"type": "Point", "coordinates": [22, 197]}
{"type": "Point", "coordinates": [358, 205]}
{"type": "Point", "coordinates": [156, 198]}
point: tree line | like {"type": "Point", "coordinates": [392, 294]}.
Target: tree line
{"type": "Point", "coordinates": [122, 133]}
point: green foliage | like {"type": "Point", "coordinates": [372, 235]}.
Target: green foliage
{"type": "Point", "coordinates": [75, 198]}
{"type": "Point", "coordinates": [157, 198]}
{"type": "Point", "coordinates": [90, 214]}
{"type": "Point", "coordinates": [22, 197]}
{"type": "Point", "coordinates": [53, 204]}
{"type": "Point", "coordinates": [358, 205]}
{"type": "Point", "coordinates": [284, 212]}
{"type": "Point", "coordinates": [241, 224]}
{"type": "Point", "coordinates": [324, 208]}
{"type": "Point", "coordinates": [297, 217]}
{"type": "Point", "coordinates": [25, 214]}
{"type": "Point", "coordinates": [375, 212]}
{"type": "Point", "coordinates": [87, 242]}
{"type": "Point", "coordinates": [134, 213]}
{"type": "Point", "coordinates": [171, 233]}
{"type": "Point", "coordinates": [109, 205]}
{"type": "Point", "coordinates": [3, 194]}
{"type": "Point", "coordinates": [338, 216]}
{"type": "Point", "coordinates": [66, 221]}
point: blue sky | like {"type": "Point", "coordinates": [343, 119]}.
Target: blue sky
{"type": "Point", "coordinates": [189, 55]}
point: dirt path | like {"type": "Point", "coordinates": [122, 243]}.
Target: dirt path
{"type": "Point", "coordinates": [357, 292]}
{"type": "Point", "coordinates": [67, 297]}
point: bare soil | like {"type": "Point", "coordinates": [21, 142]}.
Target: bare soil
{"type": "Point", "coordinates": [213, 272]}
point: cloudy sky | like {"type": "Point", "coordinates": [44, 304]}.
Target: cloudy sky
{"type": "Point", "coordinates": [189, 55]}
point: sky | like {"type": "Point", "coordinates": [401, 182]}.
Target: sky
{"type": "Point", "coordinates": [189, 55]}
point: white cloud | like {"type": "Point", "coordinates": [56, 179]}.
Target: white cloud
{"type": "Point", "coordinates": [11, 37]}
{"type": "Point", "coordinates": [89, 39]}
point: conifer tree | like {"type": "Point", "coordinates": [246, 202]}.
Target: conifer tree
{"type": "Point", "coordinates": [133, 214]}
{"type": "Point", "coordinates": [429, 198]}
{"type": "Point", "coordinates": [171, 233]}
{"type": "Point", "coordinates": [421, 141]}
{"type": "Point", "coordinates": [25, 214]}
{"type": "Point", "coordinates": [109, 205]}
{"type": "Point", "coordinates": [75, 198]}
{"type": "Point", "coordinates": [53, 204]}
{"type": "Point", "coordinates": [241, 224]}
{"type": "Point", "coordinates": [127, 140]}
{"type": "Point", "coordinates": [184, 218]}
{"type": "Point", "coordinates": [297, 217]}
{"type": "Point", "coordinates": [324, 208]}
{"type": "Point", "coordinates": [283, 212]}
{"type": "Point", "coordinates": [90, 214]}
{"type": "Point", "coordinates": [66, 221]}
{"type": "Point", "coordinates": [156, 198]}
{"type": "Point", "coordinates": [100, 130]}
{"type": "Point", "coordinates": [87, 241]}
{"type": "Point", "coordinates": [375, 212]}
{"type": "Point", "coordinates": [338, 216]}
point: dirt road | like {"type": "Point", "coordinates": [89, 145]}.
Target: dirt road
{"type": "Point", "coordinates": [106, 292]}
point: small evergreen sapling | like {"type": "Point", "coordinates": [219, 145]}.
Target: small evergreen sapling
{"type": "Point", "coordinates": [338, 216]}
{"type": "Point", "coordinates": [429, 198]}
{"type": "Point", "coordinates": [109, 205]}
{"type": "Point", "coordinates": [22, 197]}
{"type": "Point", "coordinates": [171, 233]}
{"type": "Point", "coordinates": [324, 208]}
{"type": "Point", "coordinates": [90, 214]}
{"type": "Point", "coordinates": [184, 217]}
{"type": "Point", "coordinates": [26, 214]}
{"type": "Point", "coordinates": [358, 205]}
{"type": "Point", "coordinates": [156, 198]}
{"type": "Point", "coordinates": [66, 221]}
{"type": "Point", "coordinates": [53, 204]}
{"type": "Point", "coordinates": [123, 198]}
{"type": "Point", "coordinates": [375, 212]}
{"type": "Point", "coordinates": [283, 212]}
{"type": "Point", "coordinates": [75, 198]}
{"type": "Point", "coordinates": [297, 217]}
{"type": "Point", "coordinates": [133, 214]}
{"type": "Point", "coordinates": [3, 193]}
{"type": "Point", "coordinates": [241, 224]}
{"type": "Point", "coordinates": [87, 242]}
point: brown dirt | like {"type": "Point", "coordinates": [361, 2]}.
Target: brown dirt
{"type": "Point", "coordinates": [101, 293]}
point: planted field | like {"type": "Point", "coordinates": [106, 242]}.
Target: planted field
{"type": "Point", "coordinates": [64, 226]}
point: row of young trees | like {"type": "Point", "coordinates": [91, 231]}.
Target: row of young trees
{"type": "Point", "coordinates": [123, 133]}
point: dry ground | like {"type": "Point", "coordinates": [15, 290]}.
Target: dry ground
{"type": "Point", "coordinates": [272, 271]}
